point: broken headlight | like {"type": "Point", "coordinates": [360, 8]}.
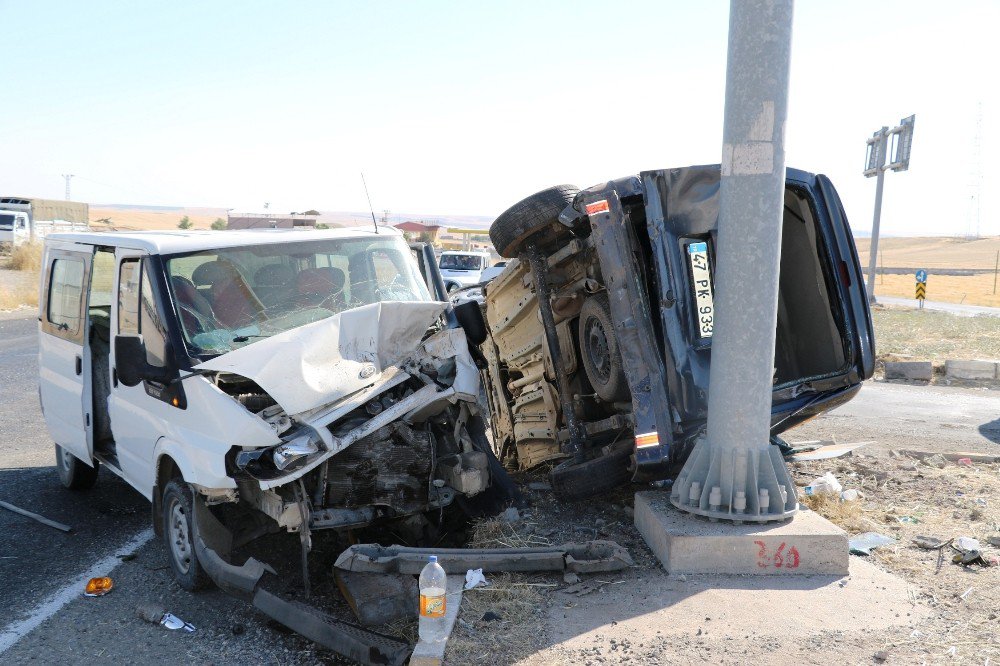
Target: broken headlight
{"type": "Point", "coordinates": [296, 450]}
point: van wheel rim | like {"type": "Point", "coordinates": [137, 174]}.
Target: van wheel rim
{"type": "Point", "coordinates": [180, 536]}
{"type": "Point", "coordinates": [598, 349]}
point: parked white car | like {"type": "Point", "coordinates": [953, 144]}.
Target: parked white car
{"type": "Point", "coordinates": [248, 382]}
{"type": "Point", "coordinates": [462, 269]}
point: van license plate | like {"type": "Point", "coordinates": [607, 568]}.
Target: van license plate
{"type": "Point", "coordinates": [701, 277]}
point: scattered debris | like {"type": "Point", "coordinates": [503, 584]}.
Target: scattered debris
{"type": "Point", "coordinates": [966, 593]}
{"type": "Point", "coordinates": [824, 484]}
{"type": "Point", "coordinates": [151, 612]}
{"type": "Point", "coordinates": [967, 543]}
{"type": "Point", "coordinates": [475, 578]}
{"type": "Point", "coordinates": [34, 516]}
{"type": "Point", "coordinates": [586, 587]}
{"type": "Point", "coordinates": [571, 578]}
{"type": "Point", "coordinates": [881, 656]}
{"type": "Point", "coordinates": [98, 587]}
{"type": "Point", "coordinates": [803, 451]}
{"type": "Point", "coordinates": [994, 541]}
{"type": "Point", "coordinates": [928, 543]}
{"type": "Point", "coordinates": [955, 457]}
{"type": "Point", "coordinates": [511, 515]}
{"type": "Point", "coordinates": [490, 616]}
{"type": "Point", "coordinates": [907, 520]}
{"type": "Point", "coordinates": [589, 557]}
{"type": "Point", "coordinates": [937, 460]}
{"type": "Point", "coordinates": [850, 495]}
{"type": "Point", "coordinates": [965, 461]}
{"type": "Point", "coordinates": [864, 544]}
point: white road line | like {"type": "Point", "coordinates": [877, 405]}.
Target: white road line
{"type": "Point", "coordinates": [14, 632]}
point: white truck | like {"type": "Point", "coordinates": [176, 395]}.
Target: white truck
{"type": "Point", "coordinates": [23, 219]}
{"type": "Point", "coordinates": [462, 269]}
{"type": "Point", "coordinates": [257, 381]}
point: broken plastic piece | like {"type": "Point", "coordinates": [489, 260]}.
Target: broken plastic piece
{"type": "Point", "coordinates": [927, 543]}
{"type": "Point", "coordinates": [967, 543]}
{"type": "Point", "coordinates": [824, 484]}
{"type": "Point", "coordinates": [864, 544]}
{"type": "Point", "coordinates": [98, 587]}
{"type": "Point", "coordinates": [151, 612]}
{"type": "Point", "coordinates": [475, 578]}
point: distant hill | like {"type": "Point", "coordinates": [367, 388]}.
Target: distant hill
{"type": "Point", "coordinates": [933, 252]}
{"type": "Point", "coordinates": [137, 217]}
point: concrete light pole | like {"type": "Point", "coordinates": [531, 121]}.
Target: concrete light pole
{"type": "Point", "coordinates": [734, 473]}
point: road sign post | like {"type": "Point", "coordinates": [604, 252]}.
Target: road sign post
{"type": "Point", "coordinates": [878, 150]}
{"type": "Point", "coordinates": [921, 288]}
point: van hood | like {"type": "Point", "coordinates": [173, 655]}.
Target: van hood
{"type": "Point", "coordinates": [319, 363]}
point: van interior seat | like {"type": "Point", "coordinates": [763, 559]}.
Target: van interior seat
{"type": "Point", "coordinates": [273, 283]}
{"type": "Point", "coordinates": [234, 303]}
{"type": "Point", "coordinates": [320, 287]}
{"type": "Point", "coordinates": [196, 311]}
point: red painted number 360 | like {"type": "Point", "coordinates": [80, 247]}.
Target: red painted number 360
{"type": "Point", "coordinates": [781, 558]}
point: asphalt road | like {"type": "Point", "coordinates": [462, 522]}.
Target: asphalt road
{"type": "Point", "coordinates": [45, 619]}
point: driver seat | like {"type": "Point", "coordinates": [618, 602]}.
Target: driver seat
{"type": "Point", "coordinates": [320, 287]}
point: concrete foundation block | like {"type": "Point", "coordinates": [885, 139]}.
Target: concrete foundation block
{"type": "Point", "coordinates": [807, 544]}
{"type": "Point", "coordinates": [970, 369]}
{"type": "Point", "coordinates": [920, 370]}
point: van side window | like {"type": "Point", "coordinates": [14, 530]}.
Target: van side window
{"type": "Point", "coordinates": [151, 324]}
{"type": "Point", "coordinates": [65, 301]}
{"type": "Point", "coordinates": [386, 270]}
{"type": "Point", "coordinates": [129, 275]}
{"type": "Point", "coordinates": [137, 312]}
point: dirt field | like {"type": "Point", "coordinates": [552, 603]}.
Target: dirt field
{"type": "Point", "coordinates": [147, 220]}
{"type": "Point", "coordinates": [935, 254]}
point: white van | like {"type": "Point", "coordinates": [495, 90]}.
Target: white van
{"type": "Point", "coordinates": [462, 269]}
{"type": "Point", "coordinates": [247, 382]}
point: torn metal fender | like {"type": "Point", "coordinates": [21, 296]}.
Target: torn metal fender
{"type": "Point", "coordinates": [589, 557]}
{"type": "Point", "coordinates": [334, 445]}
{"type": "Point", "coordinates": [248, 582]}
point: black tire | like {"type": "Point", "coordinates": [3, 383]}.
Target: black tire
{"type": "Point", "coordinates": [177, 509]}
{"type": "Point", "coordinates": [601, 355]}
{"type": "Point", "coordinates": [535, 218]}
{"type": "Point", "coordinates": [73, 472]}
{"type": "Point", "coordinates": [572, 481]}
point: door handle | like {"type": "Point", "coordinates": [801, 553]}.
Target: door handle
{"type": "Point", "coordinates": [79, 365]}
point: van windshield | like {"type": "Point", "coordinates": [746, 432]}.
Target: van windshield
{"type": "Point", "coordinates": [461, 262]}
{"type": "Point", "coordinates": [231, 297]}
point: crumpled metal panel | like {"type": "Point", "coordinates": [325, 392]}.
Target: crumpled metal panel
{"type": "Point", "coordinates": [512, 313]}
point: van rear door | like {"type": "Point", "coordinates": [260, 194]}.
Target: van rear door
{"type": "Point", "coordinates": [64, 349]}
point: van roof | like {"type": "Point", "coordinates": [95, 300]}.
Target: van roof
{"type": "Point", "coordinates": [172, 242]}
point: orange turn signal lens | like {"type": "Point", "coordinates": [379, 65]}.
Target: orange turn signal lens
{"type": "Point", "coordinates": [98, 587]}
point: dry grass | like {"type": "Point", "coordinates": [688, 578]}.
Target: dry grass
{"type": "Point", "coordinates": [933, 252]}
{"type": "Point", "coordinates": [964, 289]}
{"type": "Point", "coordinates": [935, 336]}
{"type": "Point", "coordinates": [26, 257]}
{"type": "Point", "coordinates": [15, 296]}
{"type": "Point", "coordinates": [846, 514]}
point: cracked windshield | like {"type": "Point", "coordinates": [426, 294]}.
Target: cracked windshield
{"type": "Point", "coordinates": [228, 298]}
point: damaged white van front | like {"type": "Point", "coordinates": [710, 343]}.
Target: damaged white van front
{"type": "Point", "coordinates": [256, 381]}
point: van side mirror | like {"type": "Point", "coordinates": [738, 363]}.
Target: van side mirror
{"type": "Point", "coordinates": [470, 317]}
{"type": "Point", "coordinates": [131, 365]}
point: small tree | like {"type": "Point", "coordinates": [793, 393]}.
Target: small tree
{"type": "Point", "coordinates": [185, 223]}
{"type": "Point", "coordinates": [321, 226]}
{"type": "Point", "coordinates": [219, 224]}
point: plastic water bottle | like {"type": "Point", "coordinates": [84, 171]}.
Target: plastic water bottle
{"type": "Point", "coordinates": [433, 604]}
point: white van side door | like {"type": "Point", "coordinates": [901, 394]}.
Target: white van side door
{"type": "Point", "coordinates": [64, 350]}
{"type": "Point", "coordinates": [137, 417]}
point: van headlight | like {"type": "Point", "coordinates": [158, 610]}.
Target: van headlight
{"type": "Point", "coordinates": [296, 451]}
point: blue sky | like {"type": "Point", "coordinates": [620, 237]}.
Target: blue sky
{"type": "Point", "coordinates": [464, 108]}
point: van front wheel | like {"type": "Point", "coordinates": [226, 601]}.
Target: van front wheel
{"type": "Point", "coordinates": [178, 531]}
{"type": "Point", "coordinates": [73, 472]}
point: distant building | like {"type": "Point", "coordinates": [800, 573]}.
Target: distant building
{"type": "Point", "coordinates": [414, 230]}
{"type": "Point", "coordinates": [268, 221]}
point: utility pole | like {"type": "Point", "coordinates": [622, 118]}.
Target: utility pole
{"type": "Point", "coordinates": [878, 149]}
{"type": "Point", "coordinates": [734, 473]}
{"type": "Point", "coordinates": [68, 177]}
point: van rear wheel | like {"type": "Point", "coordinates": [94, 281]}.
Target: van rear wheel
{"type": "Point", "coordinates": [73, 472]}
{"type": "Point", "coordinates": [178, 531]}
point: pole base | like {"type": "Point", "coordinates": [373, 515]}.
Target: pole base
{"type": "Point", "coordinates": [737, 484]}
